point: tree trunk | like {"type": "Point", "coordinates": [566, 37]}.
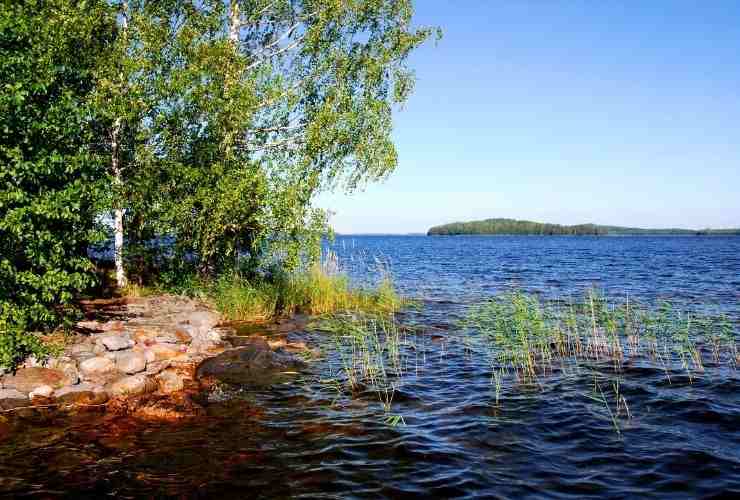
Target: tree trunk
{"type": "Point", "coordinates": [118, 212]}
{"type": "Point", "coordinates": [121, 280]}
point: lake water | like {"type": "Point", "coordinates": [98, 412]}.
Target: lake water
{"type": "Point", "coordinates": [304, 439]}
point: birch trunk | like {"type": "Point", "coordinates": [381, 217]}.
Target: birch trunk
{"type": "Point", "coordinates": [121, 280]}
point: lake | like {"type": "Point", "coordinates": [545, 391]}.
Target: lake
{"type": "Point", "coordinates": [452, 437]}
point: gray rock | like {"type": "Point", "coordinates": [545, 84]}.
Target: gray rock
{"type": "Point", "coordinates": [116, 342]}
{"type": "Point", "coordinates": [97, 366]}
{"type": "Point", "coordinates": [12, 398]}
{"type": "Point", "coordinates": [131, 362]}
{"type": "Point", "coordinates": [133, 385]}
{"type": "Point", "coordinates": [253, 364]}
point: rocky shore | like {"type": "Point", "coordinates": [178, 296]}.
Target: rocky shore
{"type": "Point", "coordinates": [147, 357]}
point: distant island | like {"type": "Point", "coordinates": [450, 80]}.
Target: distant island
{"type": "Point", "coordinates": [525, 227]}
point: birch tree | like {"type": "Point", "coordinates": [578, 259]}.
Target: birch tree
{"type": "Point", "coordinates": [263, 104]}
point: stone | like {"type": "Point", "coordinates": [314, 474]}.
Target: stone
{"type": "Point", "coordinates": [131, 362]}
{"type": "Point", "coordinates": [98, 365]}
{"type": "Point", "coordinates": [254, 364]}
{"type": "Point", "coordinates": [133, 385]}
{"type": "Point", "coordinates": [95, 326]}
{"type": "Point", "coordinates": [145, 337]}
{"type": "Point", "coordinates": [155, 367]}
{"type": "Point", "coordinates": [81, 394]}
{"type": "Point", "coordinates": [12, 398]}
{"type": "Point", "coordinates": [28, 379]}
{"type": "Point", "coordinates": [68, 366]}
{"type": "Point", "coordinates": [112, 326]}
{"type": "Point", "coordinates": [170, 381]}
{"type": "Point", "coordinates": [43, 391]}
{"type": "Point", "coordinates": [116, 342]}
{"type": "Point", "coordinates": [159, 352]}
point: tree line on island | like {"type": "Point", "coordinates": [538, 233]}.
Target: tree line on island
{"type": "Point", "coordinates": [524, 227]}
{"type": "Point", "coordinates": [212, 125]}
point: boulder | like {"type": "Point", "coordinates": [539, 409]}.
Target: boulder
{"type": "Point", "coordinates": [68, 366]}
{"type": "Point", "coordinates": [43, 391]}
{"type": "Point", "coordinates": [131, 362]}
{"type": "Point", "coordinates": [133, 385]}
{"type": "Point", "coordinates": [170, 381]}
{"type": "Point", "coordinates": [116, 342]}
{"type": "Point", "coordinates": [159, 352]}
{"type": "Point", "coordinates": [98, 365]}
{"type": "Point", "coordinates": [81, 394]}
{"type": "Point", "coordinates": [28, 379]}
{"type": "Point", "coordinates": [253, 364]}
{"type": "Point", "coordinates": [12, 398]}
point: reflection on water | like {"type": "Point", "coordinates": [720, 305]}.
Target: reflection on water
{"type": "Point", "coordinates": [302, 438]}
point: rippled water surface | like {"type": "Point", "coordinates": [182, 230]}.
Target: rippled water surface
{"type": "Point", "coordinates": [304, 439]}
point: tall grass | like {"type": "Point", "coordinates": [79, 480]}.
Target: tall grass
{"type": "Point", "coordinates": [314, 292]}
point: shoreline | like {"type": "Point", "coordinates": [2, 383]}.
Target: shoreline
{"type": "Point", "coordinates": [147, 357]}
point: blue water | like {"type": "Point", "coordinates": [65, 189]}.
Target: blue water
{"type": "Point", "coordinates": [305, 439]}
{"type": "Point", "coordinates": [696, 271]}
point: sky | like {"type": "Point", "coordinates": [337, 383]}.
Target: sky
{"type": "Point", "coordinates": [611, 112]}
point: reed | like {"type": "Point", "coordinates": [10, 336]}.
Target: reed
{"type": "Point", "coordinates": [528, 338]}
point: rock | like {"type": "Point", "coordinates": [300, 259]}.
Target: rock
{"type": "Point", "coordinates": [133, 385]}
{"type": "Point", "coordinates": [145, 337]}
{"type": "Point", "coordinates": [68, 366]}
{"type": "Point", "coordinates": [170, 381]}
{"type": "Point", "coordinates": [81, 394]}
{"type": "Point", "coordinates": [131, 362]}
{"type": "Point", "coordinates": [98, 365]}
{"type": "Point", "coordinates": [112, 326]}
{"type": "Point", "coordinates": [183, 336]}
{"type": "Point", "coordinates": [252, 364]}
{"type": "Point", "coordinates": [155, 367]}
{"type": "Point", "coordinates": [90, 325]}
{"type": "Point", "coordinates": [159, 352]}
{"type": "Point", "coordinates": [43, 391]}
{"type": "Point", "coordinates": [116, 342]}
{"type": "Point", "coordinates": [28, 379]}
{"type": "Point", "coordinates": [12, 398]}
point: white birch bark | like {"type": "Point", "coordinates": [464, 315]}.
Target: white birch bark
{"type": "Point", "coordinates": [121, 280]}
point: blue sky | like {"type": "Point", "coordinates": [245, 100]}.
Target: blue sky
{"type": "Point", "coordinates": [614, 112]}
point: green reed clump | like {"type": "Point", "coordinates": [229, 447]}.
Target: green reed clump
{"type": "Point", "coordinates": [525, 334]}
{"type": "Point", "coordinates": [369, 353]}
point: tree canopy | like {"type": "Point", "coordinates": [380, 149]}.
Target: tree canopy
{"type": "Point", "coordinates": [49, 176]}
{"type": "Point", "coordinates": [207, 125]}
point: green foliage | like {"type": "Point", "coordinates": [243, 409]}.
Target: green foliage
{"type": "Point", "coordinates": [230, 140]}
{"type": "Point", "coordinates": [49, 180]}
{"type": "Point", "coordinates": [512, 226]}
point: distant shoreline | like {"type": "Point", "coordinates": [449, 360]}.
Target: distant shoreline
{"type": "Point", "coordinates": [513, 227]}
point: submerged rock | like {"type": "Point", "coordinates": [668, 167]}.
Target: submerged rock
{"type": "Point", "coordinates": [170, 381]}
{"type": "Point", "coordinates": [253, 364]}
{"type": "Point", "coordinates": [12, 398]}
{"type": "Point", "coordinates": [81, 394]}
{"type": "Point", "coordinates": [28, 379]}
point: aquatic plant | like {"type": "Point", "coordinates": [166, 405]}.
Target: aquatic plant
{"type": "Point", "coordinates": [529, 338]}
